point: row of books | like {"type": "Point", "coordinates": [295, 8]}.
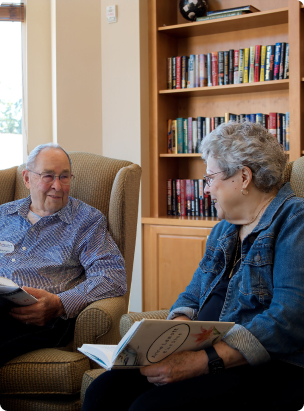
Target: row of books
{"type": "Point", "coordinates": [186, 197]}
{"type": "Point", "coordinates": [248, 65]}
{"type": "Point", "coordinates": [231, 12]}
{"type": "Point", "coordinates": [185, 134]}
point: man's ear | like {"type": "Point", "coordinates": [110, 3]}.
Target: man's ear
{"type": "Point", "coordinates": [26, 178]}
{"type": "Point", "coordinates": [246, 176]}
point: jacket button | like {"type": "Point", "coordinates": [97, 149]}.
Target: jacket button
{"type": "Point", "coordinates": [257, 258]}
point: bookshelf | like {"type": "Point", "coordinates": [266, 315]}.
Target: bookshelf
{"type": "Point", "coordinates": [173, 246]}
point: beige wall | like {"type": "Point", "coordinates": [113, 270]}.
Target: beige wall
{"type": "Point", "coordinates": [88, 84]}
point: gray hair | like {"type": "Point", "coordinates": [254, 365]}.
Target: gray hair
{"type": "Point", "coordinates": [34, 153]}
{"type": "Point", "coordinates": [238, 144]}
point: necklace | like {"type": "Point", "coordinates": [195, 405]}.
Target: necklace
{"type": "Point", "coordinates": [236, 253]}
{"type": "Point", "coordinates": [252, 221]}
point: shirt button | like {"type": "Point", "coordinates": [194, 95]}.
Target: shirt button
{"type": "Point", "coordinates": [23, 248]}
{"type": "Point", "coordinates": [13, 260]}
{"type": "Point", "coordinates": [257, 258]}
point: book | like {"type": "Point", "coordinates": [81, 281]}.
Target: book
{"type": "Point", "coordinates": [286, 64]}
{"type": "Point", "coordinates": [282, 61]}
{"type": "Point", "coordinates": [273, 124]}
{"type": "Point", "coordinates": [173, 198]}
{"type": "Point", "coordinates": [169, 196]}
{"type": "Point", "coordinates": [209, 69]}
{"type": "Point", "coordinates": [184, 74]}
{"type": "Point", "coordinates": [214, 68]}
{"type": "Point", "coordinates": [203, 77]}
{"type": "Point", "coordinates": [220, 68]}
{"type": "Point", "coordinates": [180, 135]}
{"type": "Point", "coordinates": [183, 196]}
{"type": "Point", "coordinates": [287, 130]}
{"type": "Point", "coordinates": [169, 139]}
{"type": "Point", "coordinates": [221, 15]}
{"type": "Point", "coordinates": [190, 135]}
{"type": "Point", "coordinates": [247, 9]}
{"type": "Point", "coordinates": [194, 136]}
{"type": "Point", "coordinates": [169, 73]}
{"type": "Point", "coordinates": [251, 64]}
{"type": "Point", "coordinates": [178, 197]}
{"type": "Point", "coordinates": [230, 66]}
{"type": "Point", "coordinates": [192, 198]}
{"type": "Point", "coordinates": [263, 63]}
{"type": "Point", "coordinates": [174, 72]}
{"type": "Point", "coordinates": [246, 65]}
{"type": "Point", "coordinates": [188, 197]}
{"type": "Point", "coordinates": [226, 67]}
{"type": "Point", "coordinates": [241, 65]}
{"type": "Point", "coordinates": [236, 67]}
{"type": "Point", "coordinates": [269, 63]}
{"type": "Point", "coordinates": [11, 295]}
{"type": "Point", "coordinates": [259, 118]}
{"type": "Point", "coordinates": [178, 61]}
{"type": "Point", "coordinates": [201, 197]}
{"type": "Point", "coordinates": [150, 341]}
{"type": "Point", "coordinates": [191, 71]}
{"type": "Point", "coordinates": [185, 125]}
{"type": "Point", "coordinates": [174, 136]}
{"type": "Point", "coordinates": [277, 59]}
{"type": "Point", "coordinates": [196, 198]}
{"type": "Point", "coordinates": [257, 62]}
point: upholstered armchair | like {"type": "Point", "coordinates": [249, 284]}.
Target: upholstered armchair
{"type": "Point", "coordinates": [50, 379]}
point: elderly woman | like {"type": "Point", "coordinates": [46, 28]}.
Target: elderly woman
{"type": "Point", "coordinates": [252, 274]}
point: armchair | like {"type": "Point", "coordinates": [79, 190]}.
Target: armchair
{"type": "Point", "coordinates": [50, 379]}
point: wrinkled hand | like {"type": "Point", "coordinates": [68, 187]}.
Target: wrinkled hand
{"type": "Point", "coordinates": [177, 367]}
{"type": "Point", "coordinates": [47, 307]}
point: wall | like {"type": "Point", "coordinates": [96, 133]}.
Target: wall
{"type": "Point", "coordinates": [87, 84]}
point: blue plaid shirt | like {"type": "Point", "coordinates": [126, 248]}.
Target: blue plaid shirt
{"type": "Point", "coordinates": [69, 253]}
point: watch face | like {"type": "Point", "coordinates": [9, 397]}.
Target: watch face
{"type": "Point", "coordinates": [216, 366]}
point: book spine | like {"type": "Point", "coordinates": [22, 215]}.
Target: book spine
{"type": "Point", "coordinates": [199, 132]}
{"type": "Point", "coordinates": [231, 66]}
{"type": "Point", "coordinates": [194, 136]}
{"type": "Point", "coordinates": [188, 198]}
{"type": "Point", "coordinates": [208, 125]}
{"type": "Point", "coordinates": [253, 118]}
{"type": "Point", "coordinates": [206, 203]}
{"type": "Point", "coordinates": [246, 65]}
{"type": "Point", "coordinates": [269, 63]}
{"type": "Point", "coordinates": [203, 70]}
{"type": "Point", "coordinates": [287, 131]}
{"type": "Point", "coordinates": [174, 73]}
{"type": "Point", "coordinates": [174, 136]}
{"type": "Point", "coordinates": [286, 65]}
{"type": "Point", "coordinates": [284, 130]}
{"type": "Point", "coordinates": [174, 198]}
{"type": "Point", "coordinates": [212, 124]}
{"type": "Point", "coordinates": [203, 127]}
{"type": "Point", "coordinates": [279, 126]}
{"type": "Point", "coordinates": [226, 67]}
{"type": "Point", "coordinates": [277, 58]}
{"type": "Point", "coordinates": [273, 124]}
{"type": "Point", "coordinates": [263, 63]}
{"type": "Point", "coordinates": [169, 197]}
{"type": "Point", "coordinates": [185, 128]}
{"type": "Point", "coordinates": [212, 208]}
{"type": "Point", "coordinates": [282, 61]}
{"type": "Point", "coordinates": [251, 64]}
{"type": "Point", "coordinates": [196, 198]}
{"type": "Point", "coordinates": [241, 65]}
{"type": "Point", "coordinates": [169, 73]}
{"type": "Point", "coordinates": [184, 62]}
{"type": "Point", "coordinates": [236, 67]}
{"type": "Point", "coordinates": [259, 118]}
{"type": "Point", "coordinates": [266, 121]}
{"type": "Point", "coordinates": [201, 197]}
{"type": "Point", "coordinates": [190, 135]}
{"type": "Point", "coordinates": [178, 197]}
{"type": "Point", "coordinates": [257, 62]}
{"type": "Point", "coordinates": [209, 69]}
{"type": "Point", "coordinates": [192, 198]}
{"type": "Point", "coordinates": [197, 70]}
{"type": "Point", "coordinates": [214, 77]}
{"type": "Point", "coordinates": [178, 72]}
{"type": "Point", "coordinates": [220, 68]}
{"type": "Point", "coordinates": [183, 197]}
{"type": "Point", "coordinates": [247, 117]}
{"type": "Point", "coordinates": [191, 71]}
{"type": "Point", "coordinates": [169, 137]}
{"type": "Point", "coordinates": [180, 135]}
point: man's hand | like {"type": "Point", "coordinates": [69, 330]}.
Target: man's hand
{"type": "Point", "coordinates": [177, 367]}
{"type": "Point", "coordinates": [47, 307]}
{"type": "Point", "coordinates": [181, 318]}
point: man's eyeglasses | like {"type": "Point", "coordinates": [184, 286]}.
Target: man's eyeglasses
{"type": "Point", "coordinates": [209, 177]}
{"type": "Point", "coordinates": [48, 178]}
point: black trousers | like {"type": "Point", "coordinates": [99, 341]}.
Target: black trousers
{"type": "Point", "coordinates": [274, 386]}
{"type": "Point", "coordinates": [17, 338]}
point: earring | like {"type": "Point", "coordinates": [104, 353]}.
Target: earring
{"type": "Point", "coordinates": [242, 191]}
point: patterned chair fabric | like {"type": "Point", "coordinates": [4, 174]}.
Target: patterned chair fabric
{"type": "Point", "coordinates": [50, 379]}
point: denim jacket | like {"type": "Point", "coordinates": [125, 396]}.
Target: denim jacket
{"type": "Point", "coordinates": [265, 298]}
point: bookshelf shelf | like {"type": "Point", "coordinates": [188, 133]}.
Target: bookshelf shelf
{"type": "Point", "coordinates": [182, 221]}
{"type": "Point", "coordinates": [225, 25]}
{"type": "Point", "coordinates": [180, 155]}
{"type": "Point", "coordinates": [229, 89]}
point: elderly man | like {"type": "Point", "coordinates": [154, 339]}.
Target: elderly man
{"type": "Point", "coordinates": [61, 253]}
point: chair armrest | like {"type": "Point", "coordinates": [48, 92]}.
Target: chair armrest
{"type": "Point", "coordinates": [127, 320]}
{"type": "Point", "coordinates": [98, 323]}
{"type": "Point", "coordinates": [7, 185]}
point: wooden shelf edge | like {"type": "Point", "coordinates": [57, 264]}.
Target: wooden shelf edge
{"type": "Point", "coordinates": [208, 222]}
{"type": "Point", "coordinates": [181, 155]}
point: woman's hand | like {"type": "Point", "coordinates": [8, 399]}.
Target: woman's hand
{"type": "Point", "coordinates": [177, 367]}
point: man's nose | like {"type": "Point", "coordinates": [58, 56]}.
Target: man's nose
{"type": "Point", "coordinates": [56, 183]}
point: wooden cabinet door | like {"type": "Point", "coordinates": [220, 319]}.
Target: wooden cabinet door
{"type": "Point", "coordinates": [171, 256]}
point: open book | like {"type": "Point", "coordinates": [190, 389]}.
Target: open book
{"type": "Point", "coordinates": [11, 295]}
{"type": "Point", "coordinates": [150, 341]}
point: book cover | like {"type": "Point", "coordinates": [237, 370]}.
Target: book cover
{"type": "Point", "coordinates": [174, 136]}
{"type": "Point", "coordinates": [214, 68]}
{"type": "Point", "coordinates": [192, 198]}
{"type": "Point", "coordinates": [246, 65]}
{"type": "Point", "coordinates": [257, 62]}
{"type": "Point", "coordinates": [180, 135]}
{"type": "Point", "coordinates": [241, 65]}
{"type": "Point", "coordinates": [178, 197]}
{"type": "Point", "coordinates": [169, 73]}
{"type": "Point", "coordinates": [282, 61]}
{"type": "Point", "coordinates": [200, 131]}
{"type": "Point", "coordinates": [190, 135]}
{"type": "Point", "coordinates": [280, 127]}
{"type": "Point", "coordinates": [286, 65]}
{"type": "Point", "coordinates": [194, 136]}
{"type": "Point", "coordinates": [174, 198]}
{"type": "Point", "coordinates": [247, 9]}
{"type": "Point", "coordinates": [196, 198]}
{"type": "Point", "coordinates": [220, 68]}
{"type": "Point", "coordinates": [287, 130]}
{"type": "Point", "coordinates": [184, 75]}
{"type": "Point", "coordinates": [251, 64]}
{"type": "Point", "coordinates": [169, 196]}
{"type": "Point", "coordinates": [203, 77]}
{"type": "Point", "coordinates": [209, 69]}
{"type": "Point", "coordinates": [231, 66]}
{"type": "Point", "coordinates": [188, 198]}
{"type": "Point", "coordinates": [151, 341]}
{"type": "Point", "coordinates": [169, 137]}
{"type": "Point", "coordinates": [191, 71]}
{"type": "Point", "coordinates": [263, 63]}
{"type": "Point", "coordinates": [226, 67]}
{"type": "Point", "coordinates": [183, 196]}
{"type": "Point", "coordinates": [197, 71]}
{"type": "Point", "coordinates": [221, 15]}
{"type": "Point", "coordinates": [236, 67]}
{"type": "Point", "coordinates": [11, 295]}
{"type": "Point", "coordinates": [269, 63]}
{"type": "Point", "coordinates": [273, 124]}
{"type": "Point", "coordinates": [277, 60]}
{"type": "Point", "coordinates": [174, 72]}
{"type": "Point", "coordinates": [178, 62]}
{"type": "Point", "coordinates": [185, 124]}
{"type": "Point", "coordinates": [201, 197]}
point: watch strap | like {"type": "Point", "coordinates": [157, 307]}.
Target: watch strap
{"type": "Point", "coordinates": [212, 354]}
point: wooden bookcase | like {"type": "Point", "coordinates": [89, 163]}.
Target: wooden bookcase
{"type": "Point", "coordinates": [173, 246]}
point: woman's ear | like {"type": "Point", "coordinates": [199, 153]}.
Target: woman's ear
{"type": "Point", "coordinates": [246, 176]}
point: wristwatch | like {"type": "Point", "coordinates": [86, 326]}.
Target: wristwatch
{"type": "Point", "coordinates": [215, 363]}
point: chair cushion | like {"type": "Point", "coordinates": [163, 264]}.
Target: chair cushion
{"type": "Point", "coordinates": [45, 371]}
{"type": "Point", "coordinates": [36, 403]}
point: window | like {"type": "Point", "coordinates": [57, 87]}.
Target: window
{"type": "Point", "coordinates": [11, 139]}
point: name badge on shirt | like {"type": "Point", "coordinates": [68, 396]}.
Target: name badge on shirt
{"type": "Point", "coordinates": [6, 247]}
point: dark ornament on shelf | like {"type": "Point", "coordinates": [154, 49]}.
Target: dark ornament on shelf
{"type": "Point", "coordinates": [191, 9]}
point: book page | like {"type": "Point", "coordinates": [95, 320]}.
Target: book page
{"type": "Point", "coordinates": [103, 352]}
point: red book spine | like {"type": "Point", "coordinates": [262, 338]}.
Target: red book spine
{"type": "Point", "coordinates": [212, 125]}
{"type": "Point", "coordinates": [214, 68]}
{"type": "Point", "coordinates": [188, 198]}
{"type": "Point", "coordinates": [183, 197]}
{"type": "Point", "coordinates": [257, 63]}
{"type": "Point", "coordinates": [178, 72]}
{"type": "Point", "coordinates": [169, 197]}
{"type": "Point", "coordinates": [178, 196]}
{"type": "Point", "coordinates": [273, 124]}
